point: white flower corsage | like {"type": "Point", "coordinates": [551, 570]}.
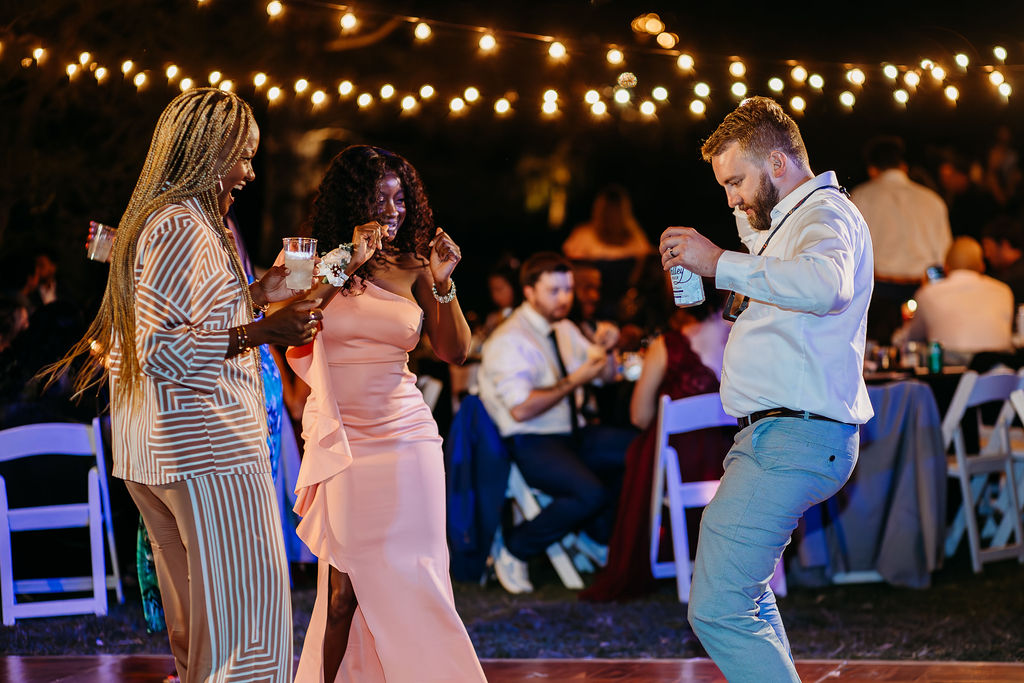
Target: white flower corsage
{"type": "Point", "coordinates": [333, 264]}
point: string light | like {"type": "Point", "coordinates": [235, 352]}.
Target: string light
{"type": "Point", "coordinates": [127, 66]}
{"type": "Point", "coordinates": [215, 77]}
{"type": "Point", "coordinates": [422, 31]}
{"type": "Point", "coordinates": [798, 103]}
{"type": "Point", "coordinates": [698, 107]}
{"type": "Point", "coordinates": [737, 69]}
{"type": "Point", "coordinates": [962, 60]}
{"type": "Point", "coordinates": [775, 84]}
{"type": "Point", "coordinates": [171, 72]}
{"type": "Point", "coordinates": [621, 95]}
{"type": "Point", "coordinates": [471, 94]}
{"type": "Point", "coordinates": [557, 50]}
{"type": "Point", "coordinates": [273, 93]}
{"type": "Point", "coordinates": [890, 71]}
{"type": "Point", "coordinates": [702, 90]}
{"type": "Point", "coordinates": [816, 81]}
{"type": "Point", "coordinates": [139, 80]}
{"type": "Point", "coordinates": [654, 25]}
{"type": "Point", "coordinates": [951, 93]}
{"type": "Point", "coordinates": [301, 85]}
{"type": "Point", "coordinates": [259, 80]}
{"type": "Point", "coordinates": [387, 91]}
{"type": "Point", "coordinates": [318, 97]}
{"type": "Point", "coordinates": [457, 104]}
{"type": "Point", "coordinates": [502, 106]}
{"type": "Point", "coordinates": [901, 96]}
{"type": "Point", "coordinates": [1005, 89]}
{"type": "Point", "coordinates": [345, 88]}
{"type": "Point", "coordinates": [84, 58]}
{"type": "Point", "coordinates": [911, 79]}
{"type": "Point", "coordinates": [592, 96]}
{"type": "Point", "coordinates": [685, 62]}
{"type": "Point", "coordinates": [938, 73]}
{"type": "Point", "coordinates": [739, 89]}
{"type": "Point", "coordinates": [364, 100]}
{"type": "Point", "coordinates": [408, 102]}
{"type": "Point", "coordinates": [226, 85]}
{"type": "Point", "coordinates": [349, 21]}
{"type": "Point", "coordinates": [614, 56]}
{"type": "Point", "coordinates": [549, 108]}
{"type": "Point", "coordinates": [927, 64]}
{"type": "Point", "coordinates": [660, 93]}
{"type": "Point", "coordinates": [275, 8]}
{"type": "Point", "coordinates": [996, 78]}
{"type": "Point", "coordinates": [647, 108]}
{"type": "Point", "coordinates": [855, 76]}
{"type": "Point", "coordinates": [487, 42]}
{"type": "Point", "coordinates": [38, 54]}
{"type": "Point", "coordinates": [71, 69]}
{"type": "Point", "coordinates": [100, 74]}
{"type": "Point", "coordinates": [667, 40]}
{"type": "Point", "coordinates": [999, 52]}
{"type": "Point", "coordinates": [186, 84]}
{"type": "Point", "coordinates": [846, 98]}
{"type": "Point", "coordinates": [799, 74]}
{"type": "Point", "coordinates": [599, 108]}
{"type": "Point", "coordinates": [427, 91]}
{"type": "Point", "coordinates": [550, 95]}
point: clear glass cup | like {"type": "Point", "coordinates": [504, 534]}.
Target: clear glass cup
{"type": "Point", "coordinates": [299, 257]}
{"type": "Point", "coordinates": [100, 240]}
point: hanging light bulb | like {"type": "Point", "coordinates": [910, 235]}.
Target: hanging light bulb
{"type": "Point", "coordinates": [685, 62]}
{"type": "Point", "coordinates": [614, 56]}
{"type": "Point", "coordinates": [71, 70]}
{"type": "Point", "coordinates": [798, 103]}
{"type": "Point", "coordinates": [622, 96]}
{"type": "Point", "coordinates": [556, 50]}
{"type": "Point", "coordinates": [273, 93]}
{"type": "Point", "coordinates": [275, 8]}
{"type": "Point", "coordinates": [846, 98]}
{"type": "Point", "coordinates": [457, 104]}
{"type": "Point", "coordinates": [816, 81]}
{"type": "Point", "coordinates": [427, 91]}
{"type": "Point", "coordinates": [502, 106]}
{"type": "Point", "coordinates": [1005, 89]}
{"type": "Point", "coordinates": [186, 84]}
{"type": "Point", "coordinates": [739, 89]}
{"type": "Point", "coordinates": [100, 74]}
{"type": "Point", "coordinates": [318, 98]}
{"type": "Point", "coordinates": [471, 94]}
{"type": "Point", "coordinates": [345, 88]}
{"type": "Point", "coordinates": [855, 76]}
{"type": "Point", "coordinates": [799, 74]}
{"type": "Point", "coordinates": [592, 96]}
{"type": "Point", "coordinates": [487, 42]}
{"type": "Point", "coordinates": [301, 85]}
{"type": "Point", "coordinates": [962, 60]}
{"type": "Point", "coordinates": [891, 71]}
{"type": "Point", "coordinates": [364, 100]}
{"type": "Point", "coordinates": [702, 90]}
{"type": "Point", "coordinates": [38, 54]}
{"type": "Point", "coordinates": [387, 91]}
{"type": "Point", "coordinates": [951, 93]}
{"type": "Point", "coordinates": [422, 31]}
{"type": "Point", "coordinates": [171, 72]}
{"type": "Point", "coordinates": [84, 58]}
{"type": "Point", "coordinates": [226, 85]}
{"type": "Point", "coordinates": [938, 73]}
{"type": "Point", "coordinates": [549, 107]}
{"type": "Point", "coordinates": [259, 80]}
{"type": "Point", "coordinates": [996, 78]}
{"type": "Point", "coordinates": [698, 107]}
{"type": "Point", "coordinates": [660, 93]}
{"type": "Point", "coordinates": [901, 96]}
{"type": "Point", "coordinates": [139, 80]}
{"type": "Point", "coordinates": [911, 79]}
{"type": "Point", "coordinates": [348, 21]}
{"type": "Point", "coordinates": [737, 69]}
{"type": "Point", "coordinates": [127, 66]}
{"type": "Point", "coordinates": [776, 84]}
{"type": "Point", "coordinates": [999, 52]}
{"type": "Point", "coordinates": [215, 77]}
{"type": "Point", "coordinates": [599, 108]}
{"type": "Point", "coordinates": [647, 108]}
{"type": "Point", "coordinates": [550, 95]}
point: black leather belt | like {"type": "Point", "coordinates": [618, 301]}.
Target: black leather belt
{"type": "Point", "coordinates": [748, 420]}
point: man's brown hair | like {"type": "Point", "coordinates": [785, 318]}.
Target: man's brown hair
{"type": "Point", "coordinates": [540, 263]}
{"type": "Point", "coordinates": [759, 126]}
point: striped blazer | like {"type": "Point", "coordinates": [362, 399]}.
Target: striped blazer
{"type": "Point", "coordinates": [199, 413]}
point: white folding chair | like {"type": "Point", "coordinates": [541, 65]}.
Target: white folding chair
{"type": "Point", "coordinates": [669, 490]}
{"type": "Point", "coordinates": [528, 505]}
{"type": "Point", "coordinates": [52, 439]}
{"type": "Point", "coordinates": [114, 579]}
{"type": "Point", "coordinates": [974, 471]}
{"type": "Point", "coordinates": [431, 388]}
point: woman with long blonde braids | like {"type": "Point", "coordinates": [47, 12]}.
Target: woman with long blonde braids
{"type": "Point", "coordinates": [176, 336]}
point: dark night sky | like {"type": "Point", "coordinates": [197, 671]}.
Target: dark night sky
{"type": "Point", "coordinates": [71, 149]}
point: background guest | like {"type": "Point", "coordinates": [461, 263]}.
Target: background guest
{"type": "Point", "coordinates": [970, 205]}
{"type": "Point", "coordinates": [1002, 240]}
{"type": "Point", "coordinates": [909, 226]}
{"type": "Point", "coordinates": [967, 311]}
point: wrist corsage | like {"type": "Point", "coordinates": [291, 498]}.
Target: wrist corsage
{"type": "Point", "coordinates": [333, 264]}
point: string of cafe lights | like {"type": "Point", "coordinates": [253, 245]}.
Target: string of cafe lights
{"type": "Point", "coordinates": [793, 82]}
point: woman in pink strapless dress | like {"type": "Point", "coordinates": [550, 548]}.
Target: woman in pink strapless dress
{"type": "Point", "coordinates": [371, 489]}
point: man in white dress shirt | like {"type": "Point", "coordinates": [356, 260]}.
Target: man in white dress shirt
{"type": "Point", "coordinates": [792, 374]}
{"type": "Point", "coordinates": [533, 368]}
{"type": "Point", "coordinates": [909, 226]}
{"type": "Point", "coordinates": [967, 311]}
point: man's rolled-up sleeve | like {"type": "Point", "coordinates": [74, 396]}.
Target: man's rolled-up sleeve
{"type": "Point", "coordinates": [513, 372]}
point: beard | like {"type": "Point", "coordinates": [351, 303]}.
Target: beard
{"type": "Point", "coordinates": [764, 201]}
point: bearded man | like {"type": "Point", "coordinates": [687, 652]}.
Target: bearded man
{"type": "Point", "coordinates": [792, 375]}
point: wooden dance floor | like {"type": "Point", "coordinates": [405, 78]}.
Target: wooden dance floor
{"type": "Point", "coordinates": [152, 668]}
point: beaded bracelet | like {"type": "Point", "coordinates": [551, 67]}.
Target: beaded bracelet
{"type": "Point", "coordinates": [447, 298]}
{"type": "Point", "coordinates": [243, 339]}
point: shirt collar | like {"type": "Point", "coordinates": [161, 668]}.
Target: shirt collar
{"type": "Point", "coordinates": [534, 319]}
{"type": "Point", "coordinates": [800, 192]}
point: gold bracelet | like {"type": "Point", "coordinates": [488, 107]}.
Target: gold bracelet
{"type": "Point", "coordinates": [243, 339]}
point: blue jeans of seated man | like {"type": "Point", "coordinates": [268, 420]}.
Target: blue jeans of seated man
{"type": "Point", "coordinates": [776, 469]}
{"type": "Point", "coordinates": [583, 481]}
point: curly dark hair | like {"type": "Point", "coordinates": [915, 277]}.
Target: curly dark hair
{"type": "Point", "coordinates": [347, 197]}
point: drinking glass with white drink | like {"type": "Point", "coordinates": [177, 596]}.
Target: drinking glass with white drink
{"type": "Point", "coordinates": [299, 257]}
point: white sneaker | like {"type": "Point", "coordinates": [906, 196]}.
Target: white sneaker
{"type": "Point", "coordinates": [512, 572]}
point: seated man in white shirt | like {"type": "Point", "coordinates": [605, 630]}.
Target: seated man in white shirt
{"type": "Point", "coordinates": [967, 311]}
{"type": "Point", "coordinates": [533, 368]}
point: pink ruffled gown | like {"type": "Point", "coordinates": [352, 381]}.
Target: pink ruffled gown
{"type": "Point", "coordinates": [371, 494]}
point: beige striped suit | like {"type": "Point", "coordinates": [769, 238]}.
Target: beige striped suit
{"type": "Point", "coordinates": [193, 450]}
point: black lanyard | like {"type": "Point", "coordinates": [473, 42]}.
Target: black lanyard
{"type": "Point", "coordinates": [734, 306]}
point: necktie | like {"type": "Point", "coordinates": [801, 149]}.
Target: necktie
{"type": "Point", "coordinates": [573, 411]}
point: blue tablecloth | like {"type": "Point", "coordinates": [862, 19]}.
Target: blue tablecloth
{"type": "Point", "coordinates": [890, 516]}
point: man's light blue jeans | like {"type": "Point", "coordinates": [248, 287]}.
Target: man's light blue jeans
{"type": "Point", "coordinates": [777, 468]}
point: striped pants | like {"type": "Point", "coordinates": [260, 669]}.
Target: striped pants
{"type": "Point", "coordinates": [223, 576]}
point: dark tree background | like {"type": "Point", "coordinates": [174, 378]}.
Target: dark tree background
{"type": "Point", "coordinates": [71, 148]}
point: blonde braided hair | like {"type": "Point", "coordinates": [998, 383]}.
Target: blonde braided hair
{"type": "Point", "coordinates": [198, 139]}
